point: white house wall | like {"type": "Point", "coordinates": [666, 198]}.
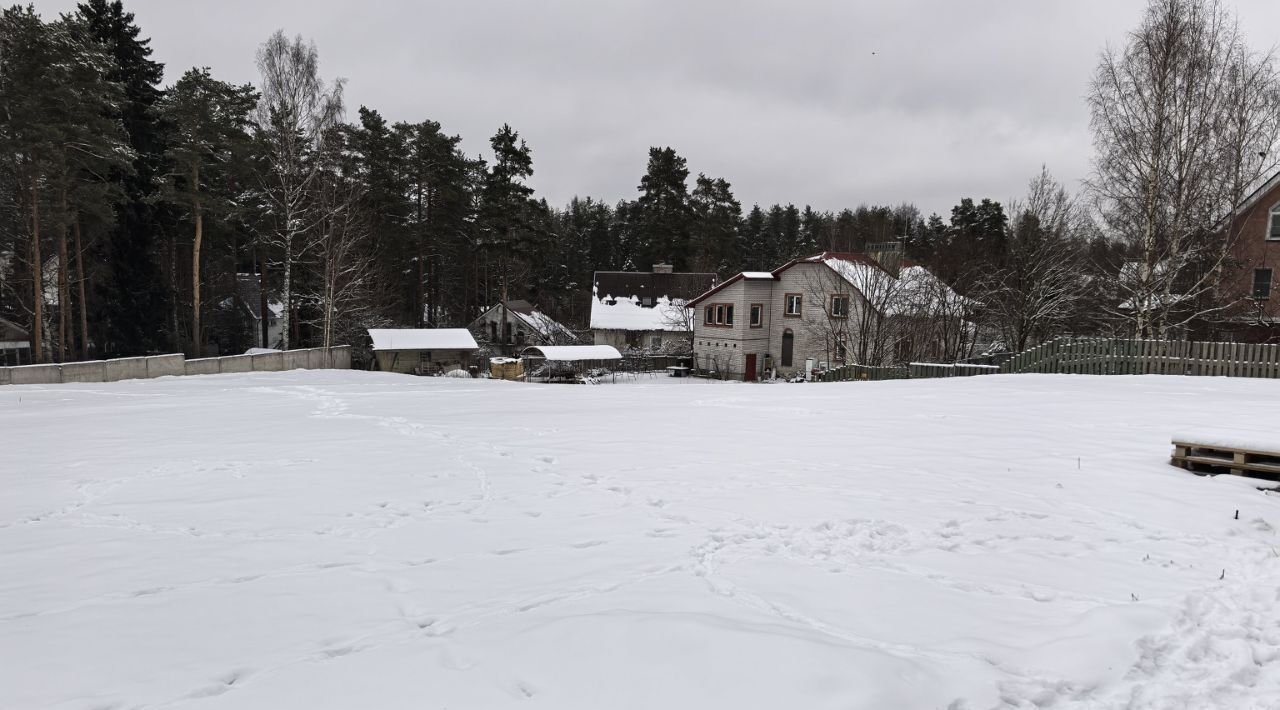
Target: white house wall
{"type": "Point", "coordinates": [726, 348]}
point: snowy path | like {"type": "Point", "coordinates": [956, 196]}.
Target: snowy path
{"type": "Point", "coordinates": [346, 539]}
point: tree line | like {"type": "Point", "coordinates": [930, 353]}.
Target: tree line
{"type": "Point", "coordinates": [131, 212]}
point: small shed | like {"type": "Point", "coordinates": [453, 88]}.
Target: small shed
{"type": "Point", "coordinates": [15, 344]}
{"type": "Point", "coordinates": [568, 363]}
{"type": "Point", "coordinates": [423, 351]}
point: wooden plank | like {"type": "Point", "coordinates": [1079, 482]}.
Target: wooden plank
{"type": "Point", "coordinates": [1230, 464]}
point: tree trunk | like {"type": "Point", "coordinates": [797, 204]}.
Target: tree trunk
{"type": "Point", "coordinates": [81, 301]}
{"type": "Point", "coordinates": [37, 277]}
{"type": "Point", "coordinates": [264, 305]}
{"type": "Point", "coordinates": [197, 341]}
{"type": "Point", "coordinates": [64, 286]}
{"type": "Point", "coordinates": [286, 293]}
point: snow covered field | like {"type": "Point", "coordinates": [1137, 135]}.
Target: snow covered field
{"type": "Point", "coordinates": [361, 540]}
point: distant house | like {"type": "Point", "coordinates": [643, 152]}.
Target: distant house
{"type": "Point", "coordinates": [645, 310]}
{"type": "Point", "coordinates": [15, 344]}
{"type": "Point", "coordinates": [423, 351]}
{"type": "Point", "coordinates": [825, 310]}
{"type": "Point", "coordinates": [1254, 242]}
{"type": "Point", "coordinates": [237, 323]}
{"type": "Point", "coordinates": [507, 328]}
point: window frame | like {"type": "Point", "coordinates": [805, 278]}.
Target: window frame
{"type": "Point", "coordinates": [1273, 224]}
{"type": "Point", "coordinates": [831, 305]}
{"type": "Point", "coordinates": [718, 315]}
{"type": "Point", "coordinates": [756, 317]}
{"type": "Point", "coordinates": [1254, 290]}
{"type": "Point", "coordinates": [786, 305]}
{"type": "Point", "coordinates": [841, 350]}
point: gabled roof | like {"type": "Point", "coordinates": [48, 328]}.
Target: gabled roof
{"type": "Point", "coordinates": [10, 331]}
{"type": "Point", "coordinates": [862, 272]}
{"type": "Point", "coordinates": [644, 301]}
{"type": "Point", "coordinates": [624, 284]}
{"type": "Point", "coordinates": [249, 293]}
{"type": "Point", "coordinates": [534, 319]}
{"type": "Point", "coordinates": [422, 339]}
{"type": "Point", "coordinates": [1253, 198]}
{"type": "Point", "coordinates": [813, 259]}
{"type": "Point", "coordinates": [629, 314]}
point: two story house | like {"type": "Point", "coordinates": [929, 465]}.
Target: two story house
{"type": "Point", "coordinates": [825, 310]}
{"type": "Point", "coordinates": [1254, 240]}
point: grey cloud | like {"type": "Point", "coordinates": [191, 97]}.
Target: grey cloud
{"type": "Point", "coordinates": [785, 100]}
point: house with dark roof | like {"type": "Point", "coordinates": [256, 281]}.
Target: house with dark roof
{"type": "Point", "coordinates": [509, 327]}
{"type": "Point", "coordinates": [822, 311]}
{"type": "Point", "coordinates": [645, 310]}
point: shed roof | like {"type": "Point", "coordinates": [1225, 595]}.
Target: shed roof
{"type": "Point", "coordinates": [574, 353]}
{"type": "Point", "coordinates": [422, 339]}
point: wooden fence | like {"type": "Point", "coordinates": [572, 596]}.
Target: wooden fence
{"type": "Point", "coordinates": [846, 373]}
{"type": "Point", "coordinates": [1120, 356]}
{"type": "Point", "coordinates": [1096, 356]}
{"type": "Point", "coordinates": [959, 369]}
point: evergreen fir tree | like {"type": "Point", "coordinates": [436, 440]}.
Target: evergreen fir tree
{"type": "Point", "coordinates": [129, 308]}
{"type": "Point", "coordinates": [662, 217]}
{"type": "Point", "coordinates": [207, 146]}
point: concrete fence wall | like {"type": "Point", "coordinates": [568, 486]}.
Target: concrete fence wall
{"type": "Point", "coordinates": [140, 368]}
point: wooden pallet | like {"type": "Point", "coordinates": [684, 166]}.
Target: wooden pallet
{"type": "Point", "coordinates": [1213, 459]}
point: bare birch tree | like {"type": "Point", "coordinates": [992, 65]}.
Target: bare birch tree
{"type": "Point", "coordinates": [1033, 294]}
{"type": "Point", "coordinates": [294, 117]}
{"type": "Point", "coordinates": [1186, 118]}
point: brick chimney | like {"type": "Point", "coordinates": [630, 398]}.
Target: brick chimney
{"type": "Point", "coordinates": [662, 268]}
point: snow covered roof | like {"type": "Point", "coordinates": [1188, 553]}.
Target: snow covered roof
{"type": "Point", "coordinates": [573, 353]}
{"type": "Point", "coordinates": [914, 286]}
{"type": "Point", "coordinates": [422, 339]}
{"type": "Point", "coordinates": [532, 318]}
{"type": "Point", "coordinates": [627, 313]}
{"type": "Point", "coordinates": [757, 274]}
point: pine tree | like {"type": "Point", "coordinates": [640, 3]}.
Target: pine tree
{"type": "Point", "coordinates": [130, 306]}
{"type": "Point", "coordinates": [716, 218]}
{"type": "Point", "coordinates": [752, 242]}
{"type": "Point", "coordinates": [439, 217]}
{"type": "Point", "coordinates": [208, 140]}
{"type": "Point", "coordinates": [662, 218]}
{"type": "Point", "coordinates": [505, 234]}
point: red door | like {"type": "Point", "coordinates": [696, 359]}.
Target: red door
{"type": "Point", "coordinates": [750, 374]}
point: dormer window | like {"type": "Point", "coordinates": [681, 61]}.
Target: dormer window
{"type": "Point", "coordinates": [1273, 229]}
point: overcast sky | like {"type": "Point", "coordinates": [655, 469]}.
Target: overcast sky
{"type": "Point", "coordinates": [832, 104]}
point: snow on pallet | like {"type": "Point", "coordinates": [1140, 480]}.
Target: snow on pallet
{"type": "Point", "coordinates": [1241, 453]}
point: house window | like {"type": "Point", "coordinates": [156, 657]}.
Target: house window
{"type": "Point", "coordinates": [842, 351]}
{"type": "Point", "coordinates": [647, 301]}
{"type": "Point", "coordinates": [656, 342]}
{"type": "Point", "coordinates": [720, 314]}
{"type": "Point", "coordinates": [757, 315]}
{"type": "Point", "coordinates": [839, 306]}
{"type": "Point", "coordinates": [1262, 283]}
{"type": "Point", "coordinates": [793, 304]}
{"type": "Point", "coordinates": [1274, 231]}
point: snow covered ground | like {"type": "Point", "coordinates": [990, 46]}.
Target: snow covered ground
{"type": "Point", "coordinates": [361, 540]}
